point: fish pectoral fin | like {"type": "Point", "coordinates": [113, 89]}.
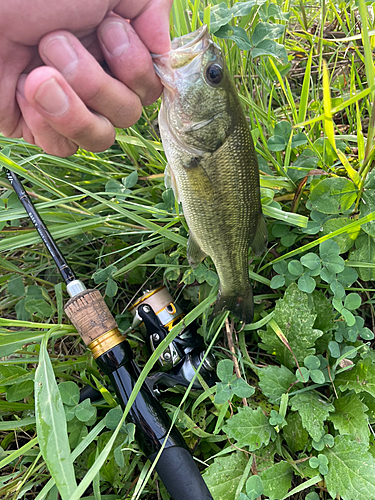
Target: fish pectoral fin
{"type": "Point", "coordinates": [170, 182]}
{"type": "Point", "coordinates": [195, 254]}
{"type": "Point", "coordinates": [197, 125]}
{"type": "Point", "coordinates": [259, 243]}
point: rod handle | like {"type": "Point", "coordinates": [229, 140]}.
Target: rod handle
{"type": "Point", "coordinates": [94, 322]}
{"type": "Point", "coordinates": [180, 475]}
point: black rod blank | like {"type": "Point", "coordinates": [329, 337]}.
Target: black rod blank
{"type": "Point", "coordinates": [65, 271]}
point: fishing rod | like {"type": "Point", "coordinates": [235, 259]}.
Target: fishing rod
{"type": "Point", "coordinates": [90, 315]}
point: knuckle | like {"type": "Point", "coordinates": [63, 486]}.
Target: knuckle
{"type": "Point", "coordinates": [59, 147]}
{"type": "Point", "coordinates": [98, 134]}
{"type": "Point", "coordinates": [128, 114]}
{"type": "Point", "coordinates": [95, 94]}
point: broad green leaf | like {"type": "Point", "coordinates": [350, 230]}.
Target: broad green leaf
{"type": "Point", "coordinates": [103, 274]}
{"type": "Point", "coordinates": [364, 252]}
{"type": "Point", "coordinates": [276, 143]}
{"type": "Point", "coordinates": [334, 349]}
{"type": "Point", "coordinates": [131, 180]}
{"type": "Point", "coordinates": [16, 286]}
{"type": "Point", "coordinates": [113, 417]}
{"type": "Point", "coordinates": [224, 370]}
{"type": "Point", "coordinates": [312, 362]}
{"type": "Point", "coordinates": [223, 393]}
{"type": "Point", "coordinates": [275, 381]}
{"type": "Point", "coordinates": [351, 473]}
{"type": "Point", "coordinates": [38, 307]}
{"type": "Point", "coordinates": [295, 267]}
{"type": "Point", "coordinates": [306, 283]}
{"type": "Point", "coordinates": [69, 393]}
{"type": "Point", "coordinates": [333, 195]}
{"type": "Point", "coordinates": [299, 140]}
{"type": "Point", "coordinates": [337, 289]}
{"type": "Point", "coordinates": [329, 253]}
{"type": "Point", "coordinates": [235, 33]}
{"type": "Point", "coordinates": [244, 8]}
{"type": "Point", "coordinates": [294, 433]}
{"type": "Point", "coordinates": [77, 433]}
{"type": "Point", "coordinates": [277, 281]}
{"type": "Point", "coordinates": [311, 261]}
{"type": "Point", "coordinates": [266, 31]}
{"type": "Point", "coordinates": [223, 475]}
{"type": "Point", "coordinates": [350, 418]}
{"type": "Point", "coordinates": [19, 391]}
{"type": "Point", "coordinates": [249, 428]}
{"type": "Point", "coordinates": [270, 48]}
{"type": "Point", "coordinates": [295, 316]}
{"type": "Point", "coordinates": [220, 15]}
{"type": "Point", "coordinates": [254, 487]}
{"type": "Point", "coordinates": [361, 378]}
{"type": "Point", "coordinates": [51, 426]}
{"type": "Point", "coordinates": [317, 376]}
{"type": "Point", "coordinates": [303, 374]}
{"type": "Point", "coordinates": [313, 410]}
{"type": "Point", "coordinates": [367, 205]}
{"type": "Point", "coordinates": [85, 411]}
{"type": "Point", "coordinates": [352, 301]}
{"type": "Point", "coordinates": [241, 388]}
{"type": "Point", "coordinates": [111, 288]}
{"type": "Point", "coordinates": [277, 480]}
{"type": "Point", "coordinates": [346, 240]}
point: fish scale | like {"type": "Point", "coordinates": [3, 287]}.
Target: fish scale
{"type": "Point", "coordinates": [213, 165]}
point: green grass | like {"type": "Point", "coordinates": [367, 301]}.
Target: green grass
{"type": "Point", "coordinates": [110, 211]}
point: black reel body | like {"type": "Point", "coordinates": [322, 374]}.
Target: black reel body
{"type": "Point", "coordinates": [155, 313]}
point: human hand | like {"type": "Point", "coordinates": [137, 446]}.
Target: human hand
{"type": "Point", "coordinates": [53, 91]}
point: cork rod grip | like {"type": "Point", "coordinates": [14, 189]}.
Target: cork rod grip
{"type": "Point", "coordinates": [93, 320]}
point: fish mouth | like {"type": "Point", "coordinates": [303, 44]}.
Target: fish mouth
{"type": "Point", "coordinates": [170, 66]}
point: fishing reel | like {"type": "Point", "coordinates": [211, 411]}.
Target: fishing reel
{"type": "Point", "coordinates": [155, 314]}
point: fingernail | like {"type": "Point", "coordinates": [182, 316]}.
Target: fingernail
{"type": "Point", "coordinates": [115, 38]}
{"type": "Point", "coordinates": [21, 84]}
{"type": "Point", "coordinates": [60, 52]}
{"type": "Point", "coordinates": [51, 97]}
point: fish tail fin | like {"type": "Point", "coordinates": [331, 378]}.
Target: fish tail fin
{"type": "Point", "coordinates": [259, 243]}
{"type": "Point", "coordinates": [240, 304]}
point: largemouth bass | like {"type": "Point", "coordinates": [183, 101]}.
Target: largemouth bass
{"type": "Point", "coordinates": [212, 165]}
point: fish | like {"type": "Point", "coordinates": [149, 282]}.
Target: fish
{"type": "Point", "coordinates": [212, 165]}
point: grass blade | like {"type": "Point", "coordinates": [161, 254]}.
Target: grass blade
{"type": "Point", "coordinates": [51, 425]}
{"type": "Point", "coordinates": [304, 100]}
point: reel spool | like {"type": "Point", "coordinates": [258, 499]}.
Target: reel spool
{"type": "Point", "coordinates": [161, 302]}
{"type": "Point", "coordinates": [155, 314]}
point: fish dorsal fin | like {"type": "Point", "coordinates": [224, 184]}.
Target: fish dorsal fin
{"type": "Point", "coordinates": [170, 182]}
{"type": "Point", "coordinates": [195, 254]}
{"type": "Point", "coordinates": [259, 243]}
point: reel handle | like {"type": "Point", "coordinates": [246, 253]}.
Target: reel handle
{"type": "Point", "coordinates": [177, 470]}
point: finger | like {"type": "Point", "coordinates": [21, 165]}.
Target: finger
{"type": "Point", "coordinates": [98, 90]}
{"type": "Point", "coordinates": [13, 60]}
{"type": "Point", "coordinates": [52, 97]}
{"type": "Point", "coordinates": [35, 129]}
{"type": "Point", "coordinates": [128, 58]}
{"type": "Point", "coordinates": [150, 19]}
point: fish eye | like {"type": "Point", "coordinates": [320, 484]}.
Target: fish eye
{"type": "Point", "coordinates": [214, 73]}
